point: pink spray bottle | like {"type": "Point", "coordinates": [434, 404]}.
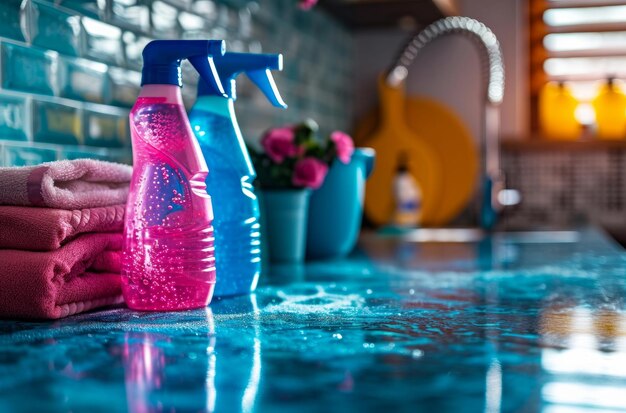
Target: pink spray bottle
{"type": "Point", "coordinates": [169, 258]}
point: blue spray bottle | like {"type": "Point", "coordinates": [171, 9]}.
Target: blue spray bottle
{"type": "Point", "coordinates": [236, 223]}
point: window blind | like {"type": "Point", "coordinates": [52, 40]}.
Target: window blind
{"type": "Point", "coordinates": [580, 42]}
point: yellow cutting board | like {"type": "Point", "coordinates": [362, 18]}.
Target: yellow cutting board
{"type": "Point", "coordinates": [445, 133]}
{"type": "Point", "coordinates": [389, 139]}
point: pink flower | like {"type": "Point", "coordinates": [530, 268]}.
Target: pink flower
{"type": "Point", "coordinates": [309, 172]}
{"type": "Point", "coordinates": [307, 4]}
{"type": "Point", "coordinates": [279, 144]}
{"type": "Point", "coordinates": [344, 145]}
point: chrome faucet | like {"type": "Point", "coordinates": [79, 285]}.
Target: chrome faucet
{"type": "Point", "coordinates": [493, 195]}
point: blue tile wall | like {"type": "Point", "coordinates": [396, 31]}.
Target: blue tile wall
{"type": "Point", "coordinates": [83, 80]}
{"type": "Point", "coordinates": [14, 112]}
{"type": "Point", "coordinates": [56, 122]}
{"type": "Point", "coordinates": [27, 69]}
{"type": "Point", "coordinates": [105, 127]}
{"type": "Point", "coordinates": [52, 27]}
{"type": "Point", "coordinates": [70, 69]}
{"type": "Point", "coordinates": [10, 17]}
{"type": "Point", "coordinates": [19, 155]}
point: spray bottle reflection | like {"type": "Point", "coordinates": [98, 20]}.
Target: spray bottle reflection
{"type": "Point", "coordinates": [179, 370]}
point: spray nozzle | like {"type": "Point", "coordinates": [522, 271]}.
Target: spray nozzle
{"type": "Point", "coordinates": [161, 61]}
{"type": "Point", "coordinates": [258, 68]}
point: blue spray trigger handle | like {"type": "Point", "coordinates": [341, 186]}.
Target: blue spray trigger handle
{"type": "Point", "coordinates": [208, 72]}
{"type": "Point", "coordinates": [264, 81]}
{"type": "Point", "coordinates": [258, 68]}
{"type": "Point", "coordinates": [162, 58]}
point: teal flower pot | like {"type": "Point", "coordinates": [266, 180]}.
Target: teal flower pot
{"type": "Point", "coordinates": [284, 223]}
{"type": "Point", "coordinates": [336, 209]}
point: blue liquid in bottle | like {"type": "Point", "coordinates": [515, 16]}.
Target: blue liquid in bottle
{"type": "Point", "coordinates": [235, 205]}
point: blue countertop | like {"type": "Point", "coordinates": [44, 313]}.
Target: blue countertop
{"type": "Point", "coordinates": [511, 323]}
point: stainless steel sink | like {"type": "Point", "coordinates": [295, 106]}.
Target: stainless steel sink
{"type": "Point", "coordinates": [471, 249]}
{"type": "Point", "coordinates": [465, 235]}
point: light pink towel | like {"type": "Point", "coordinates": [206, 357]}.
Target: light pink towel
{"type": "Point", "coordinates": [46, 229]}
{"type": "Point", "coordinates": [81, 275]}
{"type": "Point", "coordinates": [77, 184]}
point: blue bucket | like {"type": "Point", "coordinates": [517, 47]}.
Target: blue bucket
{"type": "Point", "coordinates": [336, 209]}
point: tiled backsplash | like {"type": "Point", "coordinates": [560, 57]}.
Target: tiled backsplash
{"type": "Point", "coordinates": [564, 188]}
{"type": "Point", "coordinates": [70, 69]}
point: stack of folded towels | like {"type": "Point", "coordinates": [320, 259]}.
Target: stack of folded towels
{"type": "Point", "coordinates": [61, 229]}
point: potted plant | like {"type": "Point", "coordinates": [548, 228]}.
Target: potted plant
{"type": "Point", "coordinates": [293, 162]}
{"type": "Point", "coordinates": [306, 5]}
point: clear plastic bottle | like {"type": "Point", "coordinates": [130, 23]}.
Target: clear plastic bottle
{"type": "Point", "coordinates": [168, 261]}
{"type": "Point", "coordinates": [408, 196]}
{"type": "Point", "coordinates": [237, 228]}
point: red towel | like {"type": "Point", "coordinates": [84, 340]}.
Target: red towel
{"type": "Point", "coordinates": [81, 275]}
{"type": "Point", "coordinates": [46, 229]}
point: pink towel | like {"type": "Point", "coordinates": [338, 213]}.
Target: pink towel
{"type": "Point", "coordinates": [46, 229]}
{"type": "Point", "coordinates": [77, 184]}
{"type": "Point", "coordinates": [81, 275]}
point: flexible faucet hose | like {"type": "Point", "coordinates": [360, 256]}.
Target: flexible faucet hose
{"type": "Point", "coordinates": [493, 64]}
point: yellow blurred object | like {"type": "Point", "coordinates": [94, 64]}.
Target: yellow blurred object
{"type": "Point", "coordinates": [391, 138]}
{"type": "Point", "coordinates": [442, 130]}
{"type": "Point", "coordinates": [610, 108]}
{"type": "Point", "coordinates": [557, 112]}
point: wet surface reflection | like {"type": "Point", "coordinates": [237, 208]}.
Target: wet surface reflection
{"type": "Point", "coordinates": [494, 326]}
{"type": "Point", "coordinates": [159, 379]}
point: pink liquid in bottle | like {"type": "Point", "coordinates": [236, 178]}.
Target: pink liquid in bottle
{"type": "Point", "coordinates": [169, 259]}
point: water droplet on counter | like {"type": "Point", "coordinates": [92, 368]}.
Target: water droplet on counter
{"type": "Point", "coordinates": [417, 353]}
